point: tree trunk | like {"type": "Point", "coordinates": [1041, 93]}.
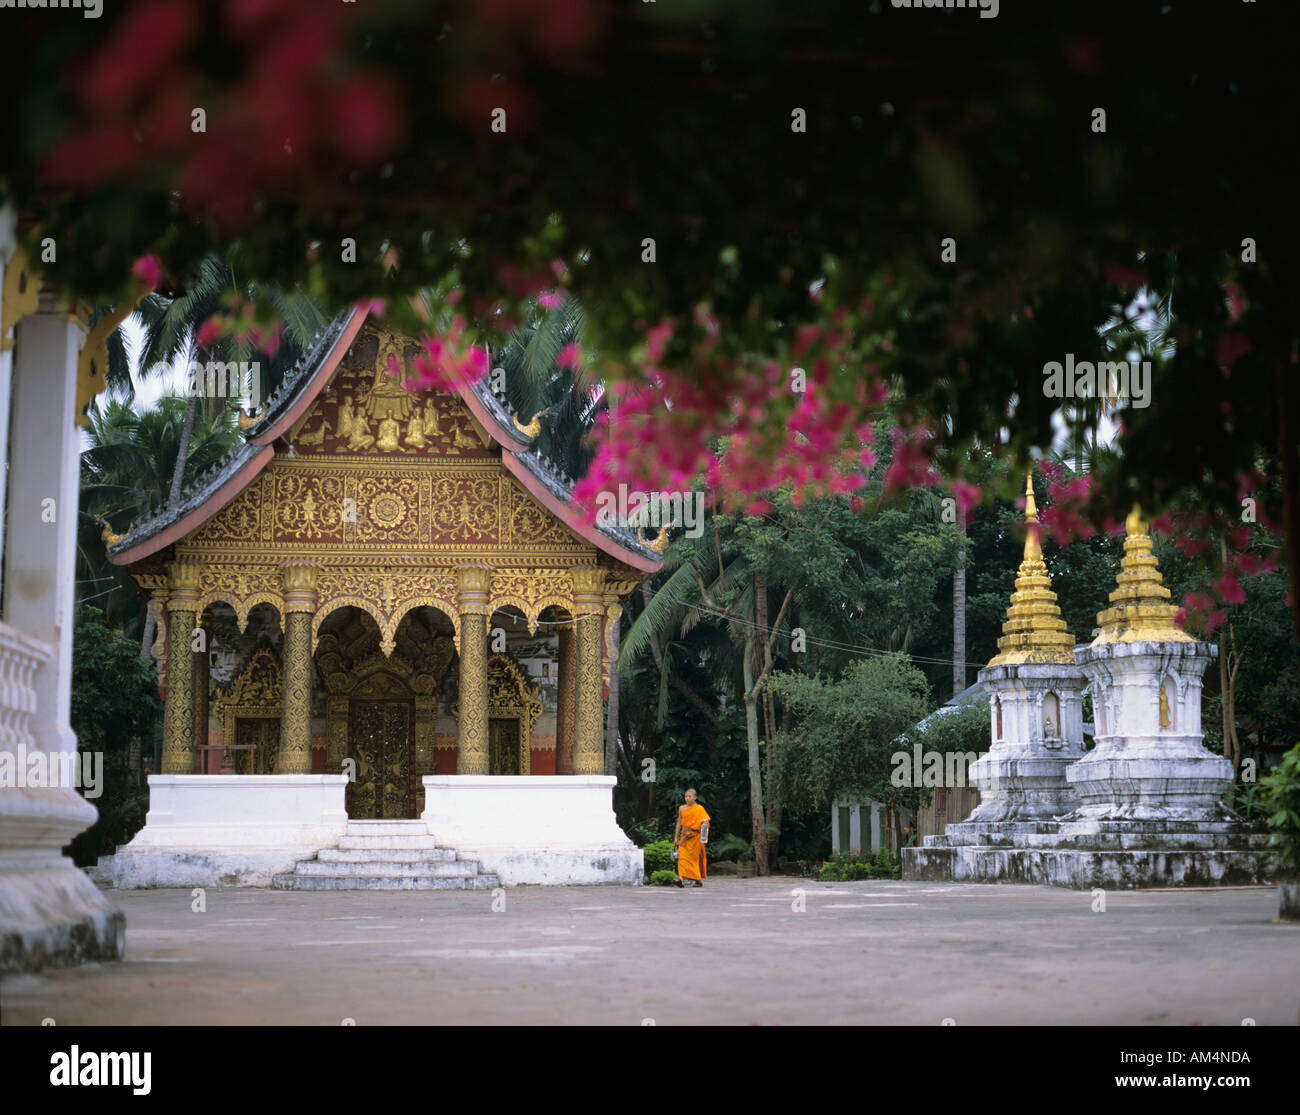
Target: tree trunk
{"type": "Point", "coordinates": [959, 607]}
{"type": "Point", "coordinates": [773, 810]}
{"type": "Point", "coordinates": [150, 629]}
{"type": "Point", "coordinates": [1288, 418]}
{"type": "Point", "coordinates": [1229, 663]}
{"type": "Point", "coordinates": [135, 762]}
{"type": "Point", "coordinates": [758, 820]}
{"type": "Point", "coordinates": [183, 451]}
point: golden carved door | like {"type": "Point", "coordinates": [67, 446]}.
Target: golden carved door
{"type": "Point", "coordinates": [380, 744]}
{"type": "Point", "coordinates": [503, 745]}
{"type": "Point", "coordinates": [258, 740]}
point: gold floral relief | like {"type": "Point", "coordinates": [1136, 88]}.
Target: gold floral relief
{"type": "Point", "coordinates": [531, 591]}
{"type": "Point", "coordinates": [386, 508]}
{"type": "Point", "coordinates": [464, 509]}
{"type": "Point", "coordinates": [530, 524]}
{"type": "Point", "coordinates": [238, 521]}
{"type": "Point", "coordinates": [308, 507]}
{"type": "Point", "coordinates": [240, 587]}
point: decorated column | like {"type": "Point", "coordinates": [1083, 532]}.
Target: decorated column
{"type": "Point", "coordinates": [565, 703]}
{"type": "Point", "coordinates": [299, 585]}
{"type": "Point", "coordinates": [589, 614]}
{"type": "Point", "coordinates": [202, 680]}
{"type": "Point", "coordinates": [179, 756]}
{"type": "Point", "coordinates": [473, 583]}
{"type": "Point", "coordinates": [1035, 700]}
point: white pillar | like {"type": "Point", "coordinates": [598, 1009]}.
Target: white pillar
{"type": "Point", "coordinates": [50, 912]}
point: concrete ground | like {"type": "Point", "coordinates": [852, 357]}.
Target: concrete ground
{"type": "Point", "coordinates": [734, 952]}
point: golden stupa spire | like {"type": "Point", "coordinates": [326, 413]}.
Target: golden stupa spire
{"type": "Point", "coordinates": [1139, 607]}
{"type": "Point", "coordinates": [1034, 631]}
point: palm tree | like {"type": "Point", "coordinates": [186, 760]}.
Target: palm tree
{"type": "Point", "coordinates": [127, 473]}
{"type": "Point", "coordinates": [564, 398]}
{"type": "Point", "coordinates": [709, 580]}
{"type": "Point", "coordinates": [170, 326]}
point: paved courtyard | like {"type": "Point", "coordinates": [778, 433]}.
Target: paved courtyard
{"type": "Point", "coordinates": [734, 952]}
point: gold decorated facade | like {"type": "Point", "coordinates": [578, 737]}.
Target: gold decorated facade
{"type": "Point", "coordinates": [391, 539]}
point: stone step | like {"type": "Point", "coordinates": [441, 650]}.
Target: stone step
{"type": "Point", "coordinates": [409, 842]}
{"type": "Point", "coordinates": [385, 882]}
{"type": "Point", "coordinates": [386, 828]}
{"type": "Point", "coordinates": [387, 855]}
{"type": "Point", "coordinates": [448, 870]}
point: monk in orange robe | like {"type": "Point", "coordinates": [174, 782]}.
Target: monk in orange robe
{"type": "Point", "coordinates": [690, 849]}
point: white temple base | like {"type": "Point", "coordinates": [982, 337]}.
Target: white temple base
{"type": "Point", "coordinates": [534, 829]}
{"type": "Point", "coordinates": [231, 829]}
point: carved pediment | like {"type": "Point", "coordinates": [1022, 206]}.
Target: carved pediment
{"type": "Point", "coordinates": [258, 682]}
{"type": "Point", "coordinates": [366, 409]}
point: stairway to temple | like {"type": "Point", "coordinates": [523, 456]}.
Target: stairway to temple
{"type": "Point", "coordinates": [387, 855]}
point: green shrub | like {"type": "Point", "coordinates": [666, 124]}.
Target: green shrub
{"type": "Point", "coordinates": [1248, 800]}
{"type": "Point", "coordinates": [1281, 801]}
{"type": "Point", "coordinates": [662, 878]}
{"type": "Point", "coordinates": [851, 868]}
{"type": "Point", "coordinates": [642, 833]}
{"type": "Point", "coordinates": [658, 856]}
{"type": "Point", "coordinates": [730, 847]}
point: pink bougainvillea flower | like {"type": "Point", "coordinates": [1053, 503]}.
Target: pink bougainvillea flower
{"type": "Point", "coordinates": [209, 332]}
{"type": "Point", "coordinates": [1229, 590]}
{"type": "Point", "coordinates": [967, 496]}
{"type": "Point", "coordinates": [147, 270]}
{"type": "Point", "coordinates": [366, 117]}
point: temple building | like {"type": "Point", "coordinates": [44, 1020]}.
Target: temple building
{"type": "Point", "coordinates": [381, 600]}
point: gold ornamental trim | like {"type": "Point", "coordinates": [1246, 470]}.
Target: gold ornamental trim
{"type": "Point", "coordinates": [299, 583]}
{"type": "Point", "coordinates": [185, 580]}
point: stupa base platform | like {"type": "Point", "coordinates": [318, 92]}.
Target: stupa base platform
{"type": "Point", "coordinates": [1111, 855]}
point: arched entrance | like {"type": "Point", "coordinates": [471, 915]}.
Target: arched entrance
{"type": "Point", "coordinates": [381, 710]}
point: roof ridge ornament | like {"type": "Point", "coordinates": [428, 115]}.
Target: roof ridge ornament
{"type": "Point", "coordinates": [534, 426]}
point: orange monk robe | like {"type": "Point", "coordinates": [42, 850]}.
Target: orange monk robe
{"type": "Point", "coordinates": [690, 853]}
